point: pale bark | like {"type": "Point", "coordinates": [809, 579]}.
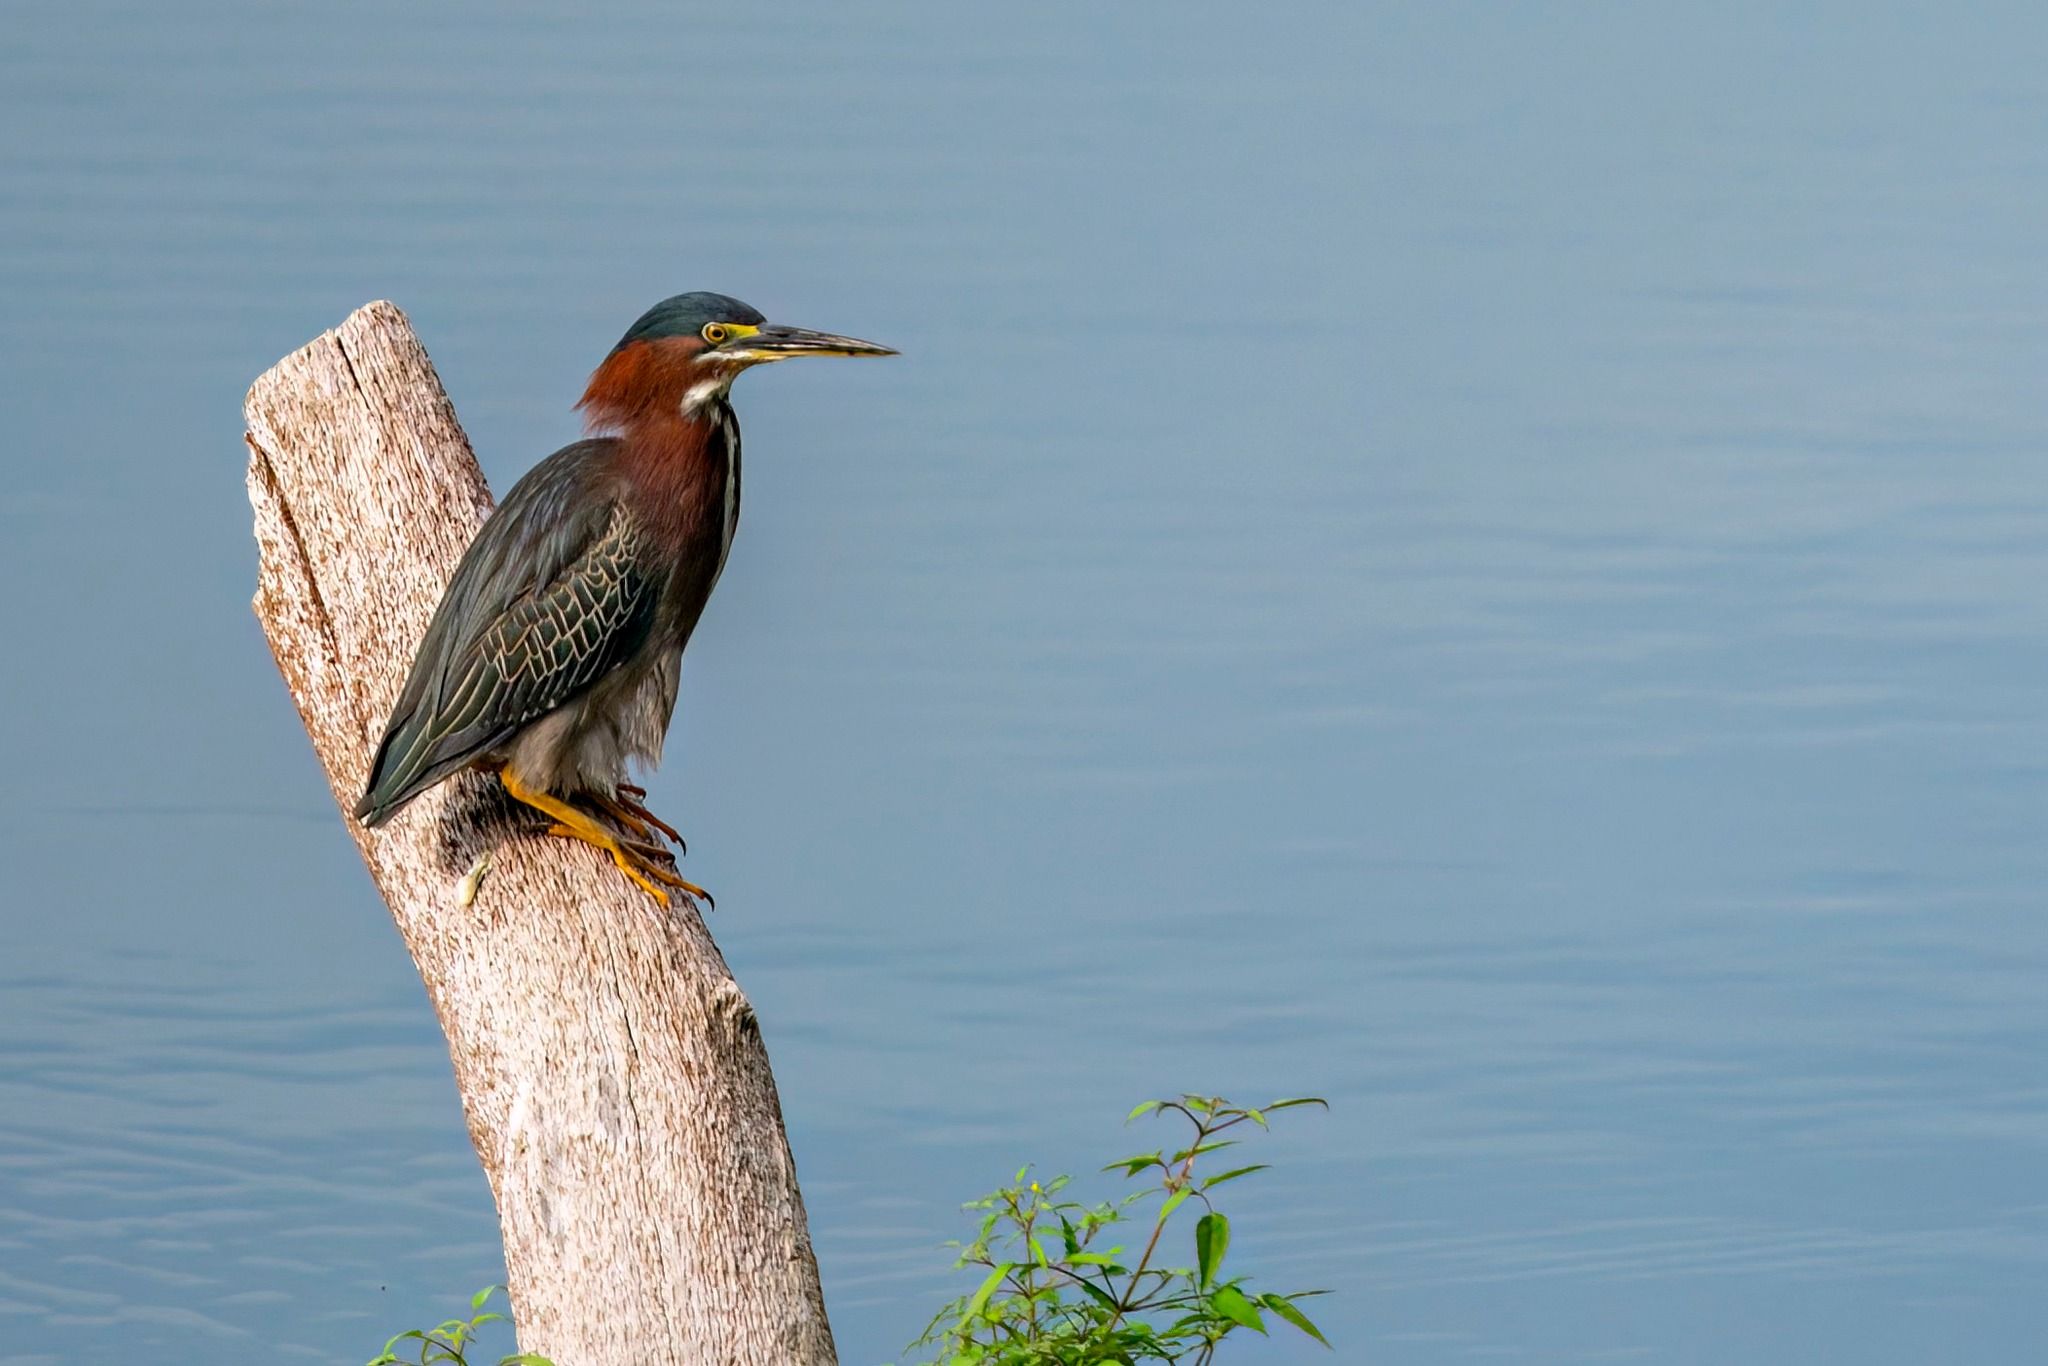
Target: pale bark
{"type": "Point", "coordinates": [612, 1073]}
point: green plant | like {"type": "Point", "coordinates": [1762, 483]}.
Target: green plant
{"type": "Point", "coordinates": [449, 1342]}
{"type": "Point", "coordinates": [1054, 1294]}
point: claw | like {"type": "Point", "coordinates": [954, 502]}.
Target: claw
{"type": "Point", "coordinates": [627, 811]}
{"type": "Point", "coordinates": [629, 804]}
{"type": "Point", "coordinates": [641, 813]}
{"type": "Point", "coordinates": [656, 854]}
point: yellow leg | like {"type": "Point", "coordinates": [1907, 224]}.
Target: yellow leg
{"type": "Point", "coordinates": [574, 824]}
{"type": "Point", "coordinates": [651, 860]}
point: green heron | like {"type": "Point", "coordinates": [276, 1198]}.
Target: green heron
{"type": "Point", "coordinates": [554, 656]}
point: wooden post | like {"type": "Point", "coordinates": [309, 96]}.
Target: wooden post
{"type": "Point", "coordinates": [613, 1075]}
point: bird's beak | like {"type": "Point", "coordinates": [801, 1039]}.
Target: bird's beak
{"type": "Point", "coordinates": [775, 342]}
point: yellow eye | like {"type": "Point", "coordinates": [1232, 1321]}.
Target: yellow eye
{"type": "Point", "coordinates": [716, 333]}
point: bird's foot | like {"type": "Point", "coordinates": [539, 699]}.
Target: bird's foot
{"type": "Point", "coordinates": [632, 800]}
{"type": "Point", "coordinates": [631, 803]}
{"type": "Point", "coordinates": [645, 864]}
{"type": "Point", "coordinates": [626, 811]}
{"type": "Point", "coordinates": [603, 807]}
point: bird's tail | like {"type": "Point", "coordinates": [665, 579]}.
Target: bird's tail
{"type": "Point", "coordinates": [397, 774]}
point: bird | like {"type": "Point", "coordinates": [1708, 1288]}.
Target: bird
{"type": "Point", "coordinates": [554, 656]}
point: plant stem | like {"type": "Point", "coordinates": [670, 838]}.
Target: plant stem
{"type": "Point", "coordinates": [1123, 1304]}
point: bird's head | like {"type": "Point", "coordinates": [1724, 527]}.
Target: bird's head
{"type": "Point", "coordinates": [686, 351]}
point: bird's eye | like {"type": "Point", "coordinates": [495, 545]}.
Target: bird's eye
{"type": "Point", "coordinates": [716, 333]}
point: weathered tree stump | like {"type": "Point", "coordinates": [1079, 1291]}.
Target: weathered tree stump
{"type": "Point", "coordinates": [612, 1073]}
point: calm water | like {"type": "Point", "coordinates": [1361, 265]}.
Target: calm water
{"type": "Point", "coordinates": [1485, 565]}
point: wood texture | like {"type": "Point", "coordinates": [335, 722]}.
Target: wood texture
{"type": "Point", "coordinates": [612, 1073]}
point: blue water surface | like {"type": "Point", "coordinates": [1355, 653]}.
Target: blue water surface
{"type": "Point", "coordinates": [1483, 562]}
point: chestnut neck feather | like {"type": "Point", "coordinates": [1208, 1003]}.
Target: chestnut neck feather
{"type": "Point", "coordinates": [674, 459]}
{"type": "Point", "coordinates": [641, 381]}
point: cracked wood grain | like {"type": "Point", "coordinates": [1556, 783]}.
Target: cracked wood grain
{"type": "Point", "coordinates": [611, 1071]}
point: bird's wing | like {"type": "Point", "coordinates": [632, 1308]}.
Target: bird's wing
{"type": "Point", "coordinates": [548, 599]}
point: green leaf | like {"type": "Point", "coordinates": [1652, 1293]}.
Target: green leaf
{"type": "Point", "coordinates": [1298, 1100]}
{"type": "Point", "coordinates": [1133, 1164]}
{"type": "Point", "coordinates": [486, 1318]}
{"type": "Point", "coordinates": [1185, 1153]}
{"type": "Point", "coordinates": [1147, 1108]}
{"type": "Point", "coordinates": [476, 1301]}
{"type": "Point", "coordinates": [979, 1301]}
{"type": "Point", "coordinates": [1096, 1259]}
{"type": "Point", "coordinates": [1234, 1173]}
{"type": "Point", "coordinates": [525, 1359]}
{"type": "Point", "coordinates": [1230, 1302]}
{"type": "Point", "coordinates": [1212, 1240]}
{"type": "Point", "coordinates": [1284, 1307]}
{"type": "Point", "coordinates": [1173, 1202]}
